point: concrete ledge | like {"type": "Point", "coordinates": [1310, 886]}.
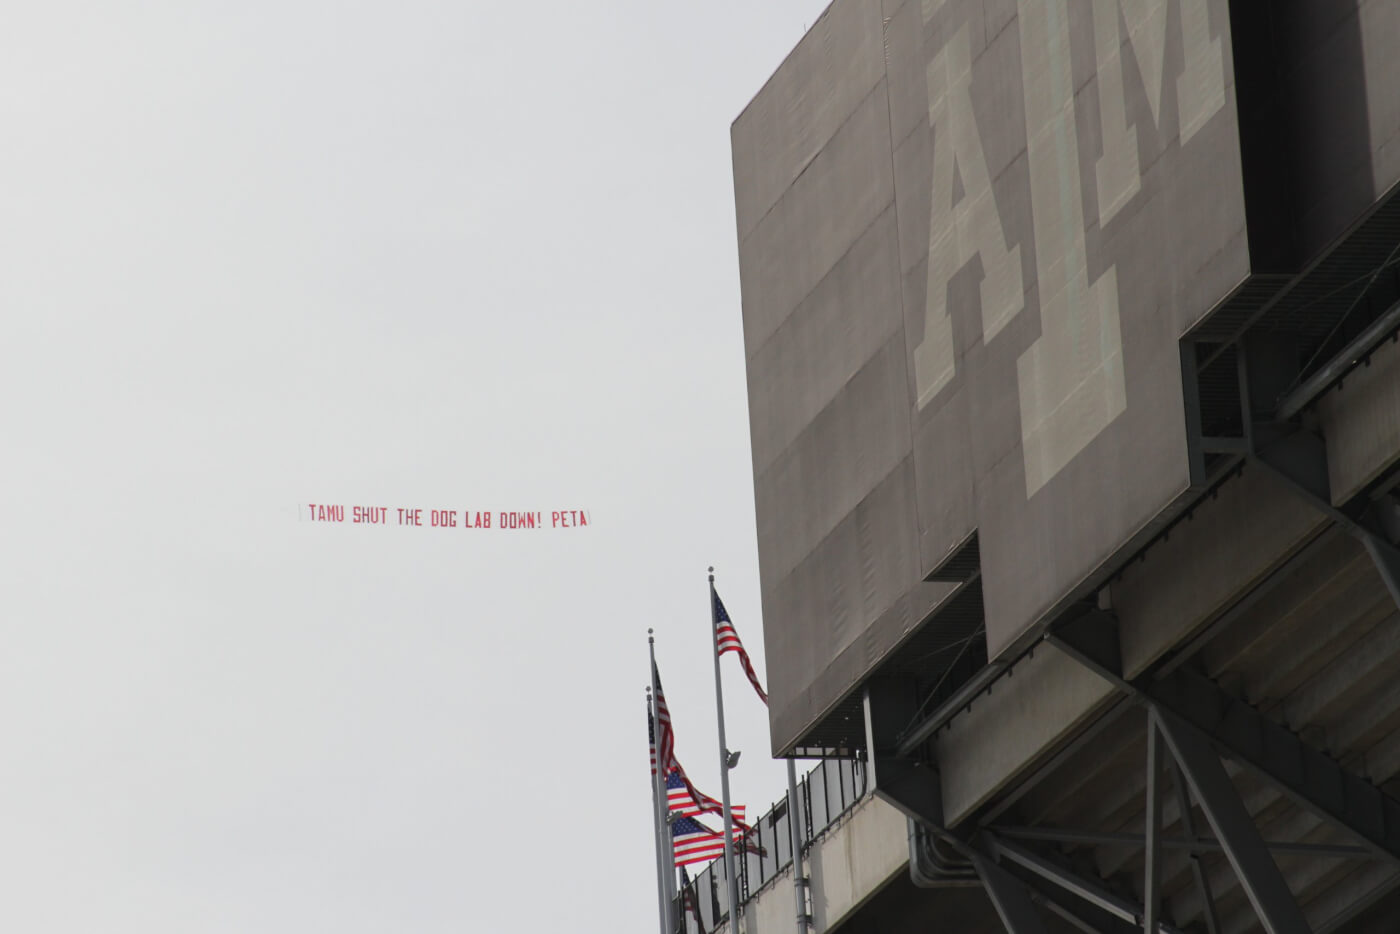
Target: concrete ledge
{"type": "Point", "coordinates": [1230, 544]}
{"type": "Point", "coordinates": [849, 863]}
{"type": "Point", "coordinates": [855, 859]}
{"type": "Point", "coordinates": [1361, 421]}
{"type": "Point", "coordinates": [1046, 698]}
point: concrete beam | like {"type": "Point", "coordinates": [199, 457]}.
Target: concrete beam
{"type": "Point", "coordinates": [855, 860]}
{"type": "Point", "coordinates": [1231, 544]}
{"type": "Point", "coordinates": [1005, 732]}
{"type": "Point", "coordinates": [848, 864]}
{"type": "Point", "coordinates": [1360, 418]}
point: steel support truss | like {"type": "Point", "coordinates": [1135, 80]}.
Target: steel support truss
{"type": "Point", "coordinates": [1259, 875]}
{"type": "Point", "coordinates": [1191, 723]}
{"type": "Point", "coordinates": [1195, 717]}
{"type": "Point", "coordinates": [1310, 777]}
{"type": "Point", "coordinates": [1173, 747]}
{"type": "Point", "coordinates": [1274, 440]}
{"type": "Point", "coordinates": [1192, 720]}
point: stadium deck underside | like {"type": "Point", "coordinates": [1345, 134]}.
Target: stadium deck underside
{"type": "Point", "coordinates": [1095, 716]}
{"type": "Point", "coordinates": [1291, 680]}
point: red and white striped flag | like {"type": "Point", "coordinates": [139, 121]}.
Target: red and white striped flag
{"type": "Point", "coordinates": [664, 739]}
{"type": "Point", "coordinates": [695, 843]}
{"type": "Point", "coordinates": [681, 799]}
{"type": "Point", "coordinates": [728, 640]}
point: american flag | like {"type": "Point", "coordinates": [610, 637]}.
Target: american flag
{"type": "Point", "coordinates": [666, 740]}
{"type": "Point", "coordinates": [651, 739]}
{"type": "Point", "coordinates": [694, 842]}
{"type": "Point", "coordinates": [728, 640]}
{"type": "Point", "coordinates": [680, 800]}
{"type": "Point", "coordinates": [688, 794]}
{"type": "Point", "coordinates": [663, 746]}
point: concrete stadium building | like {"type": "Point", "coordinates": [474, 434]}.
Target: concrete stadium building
{"type": "Point", "coordinates": [1075, 406]}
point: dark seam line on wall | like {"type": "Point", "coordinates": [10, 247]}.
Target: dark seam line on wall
{"type": "Point", "coordinates": [807, 31]}
{"type": "Point", "coordinates": [825, 401]}
{"type": "Point", "coordinates": [808, 164]}
{"type": "Point", "coordinates": [818, 284]}
{"type": "Point", "coordinates": [827, 533]}
{"type": "Point", "coordinates": [899, 272]}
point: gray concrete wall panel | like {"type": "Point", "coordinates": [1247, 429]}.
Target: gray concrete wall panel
{"type": "Point", "coordinates": [811, 95]}
{"type": "Point", "coordinates": [848, 865]}
{"type": "Point", "coordinates": [844, 673]}
{"type": "Point", "coordinates": [1100, 455]}
{"type": "Point", "coordinates": [1004, 732]}
{"type": "Point", "coordinates": [853, 598]}
{"type": "Point", "coordinates": [1230, 543]}
{"type": "Point", "coordinates": [911, 189]}
{"type": "Point", "coordinates": [826, 340]}
{"type": "Point", "coordinates": [856, 859]}
{"type": "Point", "coordinates": [1379, 25]}
{"type": "Point", "coordinates": [1361, 421]}
{"type": "Point", "coordinates": [840, 456]}
{"type": "Point", "coordinates": [772, 909]}
{"type": "Point", "coordinates": [904, 64]}
{"type": "Point", "coordinates": [1066, 474]}
{"type": "Point", "coordinates": [816, 220]}
{"type": "Point", "coordinates": [1063, 179]}
{"type": "Point", "coordinates": [945, 485]}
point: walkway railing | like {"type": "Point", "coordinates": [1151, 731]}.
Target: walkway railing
{"type": "Point", "coordinates": [823, 795]}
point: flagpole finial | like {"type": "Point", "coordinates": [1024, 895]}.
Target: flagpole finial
{"type": "Point", "coordinates": [712, 574]}
{"type": "Point", "coordinates": [651, 640]}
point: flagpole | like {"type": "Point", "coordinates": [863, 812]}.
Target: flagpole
{"type": "Point", "coordinates": [665, 852]}
{"type": "Point", "coordinates": [656, 825]}
{"type": "Point", "coordinates": [799, 882]}
{"type": "Point", "coordinates": [729, 876]}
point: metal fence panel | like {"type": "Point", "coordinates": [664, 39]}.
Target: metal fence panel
{"type": "Point", "coordinates": [816, 786]}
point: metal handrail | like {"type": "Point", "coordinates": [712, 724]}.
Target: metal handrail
{"type": "Point", "coordinates": [824, 796]}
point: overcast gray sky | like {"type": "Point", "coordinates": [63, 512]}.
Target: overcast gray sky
{"type": "Point", "coordinates": [423, 254]}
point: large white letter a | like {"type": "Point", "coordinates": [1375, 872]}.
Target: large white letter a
{"type": "Point", "coordinates": [958, 232]}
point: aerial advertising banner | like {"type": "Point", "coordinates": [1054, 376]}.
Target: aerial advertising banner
{"type": "Point", "coordinates": [471, 519]}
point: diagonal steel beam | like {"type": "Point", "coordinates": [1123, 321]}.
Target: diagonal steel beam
{"type": "Point", "coordinates": [1259, 875]}
{"type": "Point", "coordinates": [1152, 862]}
{"type": "Point", "coordinates": [1085, 917]}
{"type": "Point", "coordinates": [1198, 872]}
{"type": "Point", "coordinates": [1193, 843]}
{"type": "Point", "coordinates": [1092, 892]}
{"type": "Point", "coordinates": [1313, 779]}
{"type": "Point", "coordinates": [1300, 460]}
{"type": "Point", "coordinates": [1387, 561]}
{"type": "Point", "coordinates": [1080, 914]}
{"type": "Point", "coordinates": [1298, 455]}
{"type": "Point", "coordinates": [1009, 896]}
